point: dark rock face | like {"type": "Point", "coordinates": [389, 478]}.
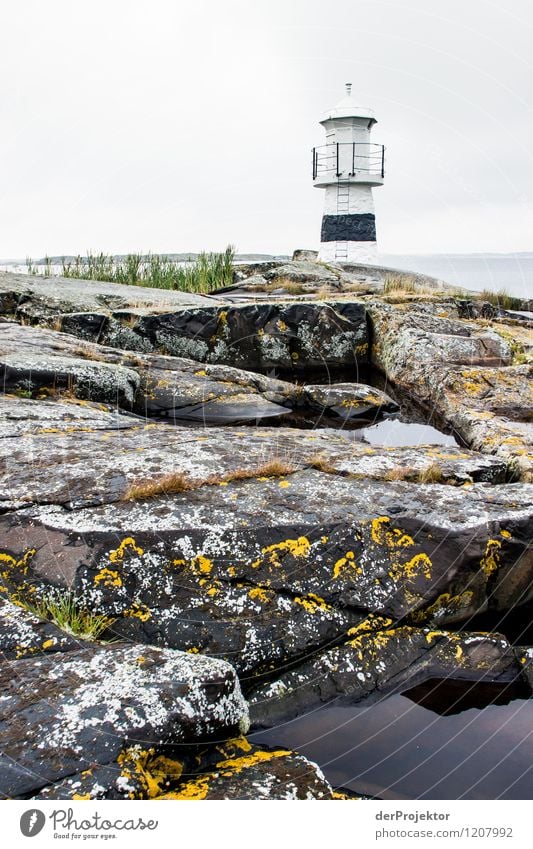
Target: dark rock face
{"type": "Point", "coordinates": [259, 336]}
{"type": "Point", "coordinates": [61, 713]}
{"type": "Point", "coordinates": [43, 362]}
{"type": "Point", "coordinates": [291, 562]}
{"type": "Point", "coordinates": [382, 658]}
{"type": "Point", "coordinates": [263, 775]}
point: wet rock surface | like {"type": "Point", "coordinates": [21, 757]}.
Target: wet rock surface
{"type": "Point", "coordinates": [381, 658]}
{"type": "Point", "coordinates": [313, 565]}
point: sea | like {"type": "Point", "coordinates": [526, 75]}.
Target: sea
{"type": "Point", "coordinates": [495, 272]}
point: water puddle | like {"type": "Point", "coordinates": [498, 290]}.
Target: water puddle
{"type": "Point", "coordinates": [439, 740]}
{"type": "Point", "coordinates": [397, 433]}
{"type": "Point", "coordinates": [410, 427]}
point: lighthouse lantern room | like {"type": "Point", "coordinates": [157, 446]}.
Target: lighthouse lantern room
{"type": "Point", "coordinates": [347, 167]}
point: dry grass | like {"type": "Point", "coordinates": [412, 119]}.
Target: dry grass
{"type": "Point", "coordinates": [325, 294]}
{"type": "Point", "coordinates": [401, 473]}
{"type": "Point", "coordinates": [85, 353]}
{"type": "Point", "coordinates": [431, 474]}
{"type": "Point", "coordinates": [175, 482]}
{"type": "Point", "coordinates": [502, 299]}
{"type": "Point", "coordinates": [129, 320]}
{"type": "Point", "coordinates": [322, 464]}
{"type": "Point", "coordinates": [274, 468]}
{"type": "Point", "coordinates": [181, 482]}
{"type": "Point", "coordinates": [402, 286]}
{"type": "Point", "coordinates": [289, 286]}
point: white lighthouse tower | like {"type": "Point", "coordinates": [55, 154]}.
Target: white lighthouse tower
{"type": "Point", "coordinates": [347, 167]}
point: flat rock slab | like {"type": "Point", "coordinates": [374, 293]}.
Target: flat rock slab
{"type": "Point", "coordinates": [77, 454]}
{"type": "Point", "coordinates": [382, 658]}
{"type": "Point", "coordinates": [24, 416]}
{"type": "Point", "coordinates": [64, 294]}
{"type": "Point", "coordinates": [61, 713]}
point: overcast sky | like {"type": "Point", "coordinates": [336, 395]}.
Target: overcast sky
{"type": "Point", "coordinates": [167, 125]}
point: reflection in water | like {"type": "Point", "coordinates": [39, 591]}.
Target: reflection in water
{"type": "Point", "coordinates": [396, 433]}
{"type": "Point", "coordinates": [397, 749]}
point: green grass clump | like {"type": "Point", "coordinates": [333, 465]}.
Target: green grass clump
{"type": "Point", "coordinates": [67, 611]}
{"type": "Point", "coordinates": [209, 271]}
{"type": "Point", "coordinates": [501, 299]}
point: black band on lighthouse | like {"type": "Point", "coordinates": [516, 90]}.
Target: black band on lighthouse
{"type": "Point", "coordinates": [360, 227]}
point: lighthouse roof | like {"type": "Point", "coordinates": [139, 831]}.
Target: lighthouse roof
{"type": "Point", "coordinates": [348, 107]}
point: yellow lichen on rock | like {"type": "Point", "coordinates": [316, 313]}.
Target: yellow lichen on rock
{"type": "Point", "coordinates": [147, 772]}
{"type": "Point", "coordinates": [296, 547]}
{"type": "Point", "coordinates": [383, 534]}
{"type": "Point", "coordinates": [118, 554]}
{"type": "Point", "coordinates": [138, 611]}
{"type": "Point", "coordinates": [345, 565]}
{"type": "Point", "coordinates": [108, 577]}
{"type": "Point", "coordinates": [260, 594]}
{"type": "Point", "coordinates": [490, 561]}
{"type": "Point", "coordinates": [311, 603]}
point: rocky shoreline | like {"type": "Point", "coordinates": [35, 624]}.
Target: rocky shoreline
{"type": "Point", "coordinates": [246, 569]}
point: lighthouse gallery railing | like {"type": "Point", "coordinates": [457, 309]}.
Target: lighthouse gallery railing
{"type": "Point", "coordinates": [346, 159]}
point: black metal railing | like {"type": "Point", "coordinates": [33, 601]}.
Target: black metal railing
{"type": "Point", "coordinates": [348, 159]}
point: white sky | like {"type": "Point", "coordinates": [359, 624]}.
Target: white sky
{"type": "Point", "coordinates": [174, 126]}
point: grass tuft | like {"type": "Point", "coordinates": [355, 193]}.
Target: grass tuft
{"type": "Point", "coordinates": [501, 299]}
{"type": "Point", "coordinates": [67, 611]}
{"type": "Point", "coordinates": [404, 286]}
{"type": "Point", "coordinates": [322, 464]}
{"type": "Point", "coordinates": [180, 482]}
{"type": "Point", "coordinates": [401, 473]}
{"type": "Point", "coordinates": [291, 287]}
{"type": "Point", "coordinates": [431, 474]}
{"type": "Point", "coordinates": [175, 482]}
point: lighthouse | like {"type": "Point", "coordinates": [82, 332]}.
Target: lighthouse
{"type": "Point", "coordinates": [347, 166]}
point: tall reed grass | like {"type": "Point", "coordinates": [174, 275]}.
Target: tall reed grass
{"type": "Point", "coordinates": [209, 271]}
